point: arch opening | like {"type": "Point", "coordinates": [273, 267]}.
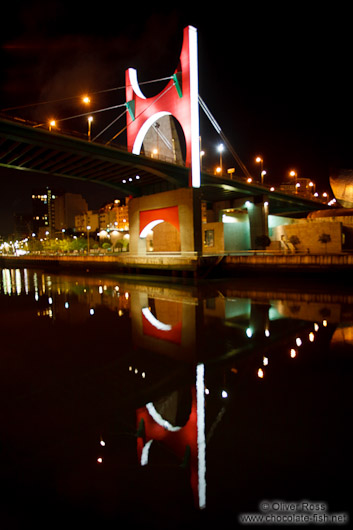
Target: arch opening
{"type": "Point", "coordinates": [164, 237]}
{"type": "Point", "coordinates": [162, 137]}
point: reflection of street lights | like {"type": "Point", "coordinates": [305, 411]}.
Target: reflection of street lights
{"type": "Point", "coordinates": [88, 229]}
{"type": "Point", "coordinates": [90, 119]}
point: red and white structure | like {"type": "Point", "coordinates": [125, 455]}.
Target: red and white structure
{"type": "Point", "coordinates": [178, 99]}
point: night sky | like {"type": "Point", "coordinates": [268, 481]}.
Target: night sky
{"type": "Point", "coordinates": [276, 76]}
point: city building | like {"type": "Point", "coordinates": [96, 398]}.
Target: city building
{"type": "Point", "coordinates": [43, 212]}
{"type": "Point", "coordinates": [23, 225]}
{"type": "Point", "coordinates": [302, 186]}
{"type": "Point", "coordinates": [114, 215]}
{"type": "Point", "coordinates": [87, 218]}
{"type": "Point", "coordinates": [55, 211]}
{"type": "Point", "coordinates": [67, 206]}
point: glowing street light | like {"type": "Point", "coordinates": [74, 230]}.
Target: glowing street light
{"type": "Point", "coordinates": [90, 119]}
{"type": "Point", "coordinates": [260, 161]}
{"type": "Point", "coordinates": [86, 100]}
{"type": "Point", "coordinates": [294, 174]}
{"type": "Point", "coordinates": [312, 186]}
{"type": "Point", "coordinates": [88, 229]}
{"type": "Point", "coordinates": [202, 154]}
{"type": "Point", "coordinates": [220, 149]}
{"type": "Point", "coordinates": [52, 123]}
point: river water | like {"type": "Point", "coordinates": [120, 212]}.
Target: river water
{"type": "Point", "coordinates": [173, 405]}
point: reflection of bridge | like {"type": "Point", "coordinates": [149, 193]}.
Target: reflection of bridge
{"type": "Point", "coordinates": [39, 151]}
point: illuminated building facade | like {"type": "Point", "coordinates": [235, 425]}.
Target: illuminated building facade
{"type": "Point", "coordinates": [88, 218]}
{"type": "Point", "coordinates": [43, 211]}
{"type": "Point", "coordinates": [114, 215]}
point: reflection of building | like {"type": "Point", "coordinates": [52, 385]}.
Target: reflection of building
{"type": "Point", "coordinates": [164, 326]}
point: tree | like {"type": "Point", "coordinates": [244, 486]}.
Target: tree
{"type": "Point", "coordinates": [324, 239]}
{"type": "Point", "coordinates": [294, 240]}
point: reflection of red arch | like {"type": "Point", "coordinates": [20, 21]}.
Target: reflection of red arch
{"type": "Point", "coordinates": [170, 335]}
{"type": "Point", "coordinates": [177, 440]}
{"type": "Point", "coordinates": [169, 215]}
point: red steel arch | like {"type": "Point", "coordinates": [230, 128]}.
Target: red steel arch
{"type": "Point", "coordinates": [179, 99]}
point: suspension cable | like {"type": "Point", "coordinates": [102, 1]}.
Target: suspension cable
{"type": "Point", "coordinates": [109, 125]}
{"type": "Point", "coordinates": [77, 97]}
{"type": "Point", "coordinates": [152, 103]}
{"type": "Point", "coordinates": [92, 112]}
{"type": "Point", "coordinates": [222, 135]}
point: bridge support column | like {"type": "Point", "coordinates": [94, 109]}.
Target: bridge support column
{"type": "Point", "coordinates": [197, 221]}
{"type": "Point", "coordinates": [258, 218]}
{"type": "Point", "coordinates": [180, 208]}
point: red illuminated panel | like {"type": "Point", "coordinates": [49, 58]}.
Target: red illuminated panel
{"type": "Point", "coordinates": [169, 215]}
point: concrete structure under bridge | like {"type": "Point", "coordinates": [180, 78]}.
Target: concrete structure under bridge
{"type": "Point", "coordinates": [172, 222]}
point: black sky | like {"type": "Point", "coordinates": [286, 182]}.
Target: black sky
{"type": "Point", "coordinates": [276, 76]}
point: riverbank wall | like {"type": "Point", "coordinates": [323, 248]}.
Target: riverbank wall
{"type": "Point", "coordinates": [192, 265]}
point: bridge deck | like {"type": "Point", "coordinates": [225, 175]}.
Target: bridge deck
{"type": "Point", "coordinates": [37, 150]}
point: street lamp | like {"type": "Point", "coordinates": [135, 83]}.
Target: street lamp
{"type": "Point", "coordinates": [90, 119]}
{"type": "Point", "coordinates": [88, 229]}
{"type": "Point", "coordinates": [293, 173]}
{"type": "Point", "coordinates": [312, 186]}
{"type": "Point", "coordinates": [202, 154]}
{"type": "Point", "coordinates": [260, 161]}
{"type": "Point", "coordinates": [220, 149]}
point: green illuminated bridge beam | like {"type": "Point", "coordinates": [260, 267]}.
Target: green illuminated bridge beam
{"type": "Point", "coordinates": [40, 151]}
{"type": "Point", "coordinates": [53, 154]}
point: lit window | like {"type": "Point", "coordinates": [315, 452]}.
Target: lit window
{"type": "Point", "coordinates": [209, 238]}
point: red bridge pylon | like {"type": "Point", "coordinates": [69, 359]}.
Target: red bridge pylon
{"type": "Point", "coordinates": [178, 99]}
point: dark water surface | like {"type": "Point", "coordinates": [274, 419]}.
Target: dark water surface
{"type": "Point", "coordinates": [173, 405]}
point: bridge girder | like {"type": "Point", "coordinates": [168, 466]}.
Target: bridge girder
{"type": "Point", "coordinates": [38, 150]}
